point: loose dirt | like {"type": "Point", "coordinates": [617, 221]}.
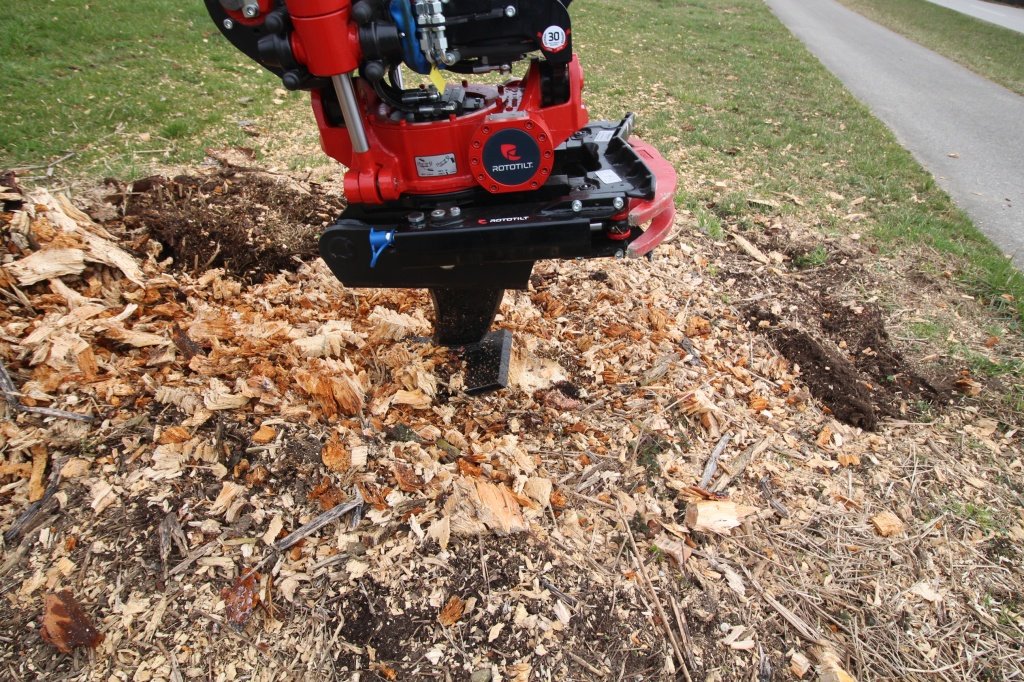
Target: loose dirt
{"type": "Point", "coordinates": [251, 224]}
{"type": "Point", "coordinates": [818, 320]}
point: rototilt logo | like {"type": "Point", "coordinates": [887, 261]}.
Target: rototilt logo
{"type": "Point", "coordinates": [511, 157]}
{"type": "Point", "coordinates": [511, 153]}
{"type": "Point", "coordinates": [511, 219]}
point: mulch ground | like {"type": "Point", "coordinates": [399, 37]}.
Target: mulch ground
{"type": "Point", "coordinates": [190, 388]}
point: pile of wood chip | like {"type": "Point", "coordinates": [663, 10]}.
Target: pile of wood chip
{"type": "Point", "coordinates": [201, 478]}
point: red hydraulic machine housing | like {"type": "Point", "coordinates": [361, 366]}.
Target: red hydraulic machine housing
{"type": "Point", "coordinates": [453, 186]}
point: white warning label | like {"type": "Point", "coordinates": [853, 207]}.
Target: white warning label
{"type": "Point", "coordinates": [607, 176]}
{"type": "Point", "coordinates": [436, 165]}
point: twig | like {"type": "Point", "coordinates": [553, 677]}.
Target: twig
{"type": "Point", "coordinates": [805, 630]}
{"type": "Point", "coordinates": [11, 394]}
{"type": "Point", "coordinates": [684, 632]}
{"type": "Point", "coordinates": [739, 466]}
{"type": "Point", "coordinates": [645, 579]}
{"type": "Point", "coordinates": [712, 465]}
{"type": "Point", "coordinates": [317, 523]}
{"type": "Point", "coordinates": [25, 522]}
{"type": "Point", "coordinates": [591, 669]}
{"type": "Point", "coordinates": [209, 261]}
{"type": "Point", "coordinates": [766, 490]}
{"type": "Point", "coordinates": [40, 166]}
{"type": "Point", "coordinates": [750, 249]}
{"type": "Point", "coordinates": [588, 498]}
{"type": "Point", "coordinates": [19, 298]}
{"type": "Point", "coordinates": [306, 530]}
{"type": "Point", "coordinates": [170, 531]}
{"type": "Point", "coordinates": [547, 584]}
{"type": "Point", "coordinates": [483, 564]}
{"type": "Point", "coordinates": [169, 655]}
{"type": "Point", "coordinates": [196, 555]}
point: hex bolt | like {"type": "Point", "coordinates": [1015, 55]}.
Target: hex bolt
{"type": "Point", "coordinates": [455, 211]}
{"type": "Point", "coordinates": [618, 203]}
{"type": "Point", "coordinates": [228, 24]}
{"type": "Point", "coordinates": [577, 206]}
{"type": "Point", "coordinates": [438, 213]}
{"type": "Point", "coordinates": [510, 11]}
{"type": "Point", "coordinates": [416, 219]}
{"type": "Point", "coordinates": [251, 11]}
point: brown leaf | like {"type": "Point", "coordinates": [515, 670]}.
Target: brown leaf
{"type": "Point", "coordinates": [241, 598]}
{"type": "Point", "coordinates": [384, 670]}
{"type": "Point", "coordinates": [327, 495]}
{"type": "Point", "coordinates": [408, 480]}
{"type": "Point", "coordinates": [451, 612]}
{"type": "Point", "coordinates": [335, 456]}
{"type": "Point", "coordinates": [65, 625]}
{"type": "Point", "coordinates": [558, 499]}
{"type": "Point", "coordinates": [697, 326]}
{"type": "Point", "coordinates": [967, 385]}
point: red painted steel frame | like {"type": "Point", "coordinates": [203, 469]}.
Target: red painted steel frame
{"type": "Point", "coordinates": [388, 169]}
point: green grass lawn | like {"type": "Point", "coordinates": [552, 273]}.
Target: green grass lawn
{"type": "Point", "coordinates": [734, 99]}
{"type": "Point", "coordinates": [994, 52]}
{"type": "Point", "coordinates": [120, 84]}
{"type": "Point", "coordinates": [720, 87]}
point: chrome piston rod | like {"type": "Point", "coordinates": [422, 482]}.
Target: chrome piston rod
{"type": "Point", "coordinates": [350, 111]}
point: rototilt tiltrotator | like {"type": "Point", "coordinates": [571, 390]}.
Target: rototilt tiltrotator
{"type": "Point", "coordinates": [458, 188]}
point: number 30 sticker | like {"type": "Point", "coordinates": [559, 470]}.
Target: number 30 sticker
{"type": "Point", "coordinates": [553, 38]}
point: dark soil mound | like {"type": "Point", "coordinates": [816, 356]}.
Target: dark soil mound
{"type": "Point", "coordinates": [852, 366]}
{"type": "Point", "coordinates": [250, 224]}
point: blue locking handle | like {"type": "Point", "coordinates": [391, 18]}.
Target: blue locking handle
{"type": "Point", "coordinates": [378, 242]}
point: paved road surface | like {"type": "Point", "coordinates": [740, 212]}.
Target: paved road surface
{"type": "Point", "coordinates": [934, 106]}
{"type": "Point", "coordinates": [1001, 15]}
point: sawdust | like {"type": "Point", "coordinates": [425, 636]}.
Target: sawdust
{"type": "Point", "coordinates": [208, 447]}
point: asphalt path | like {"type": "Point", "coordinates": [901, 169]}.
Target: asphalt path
{"type": "Point", "coordinates": [966, 130]}
{"type": "Point", "coordinates": [1001, 15]}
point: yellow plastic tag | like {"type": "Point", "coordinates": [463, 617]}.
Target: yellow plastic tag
{"type": "Point", "coordinates": [437, 79]}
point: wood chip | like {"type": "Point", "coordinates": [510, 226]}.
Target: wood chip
{"type": "Point", "coordinates": [799, 665]}
{"type": "Point", "coordinates": [750, 249]}
{"type": "Point", "coordinates": [887, 524]}
{"type": "Point", "coordinates": [452, 611]}
{"type": "Point", "coordinates": [830, 668]}
{"type": "Point", "coordinates": [36, 483]}
{"type": "Point", "coordinates": [716, 516]}
{"type": "Point", "coordinates": [477, 506]}
{"type": "Point", "coordinates": [48, 264]}
{"type": "Point", "coordinates": [264, 435]}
